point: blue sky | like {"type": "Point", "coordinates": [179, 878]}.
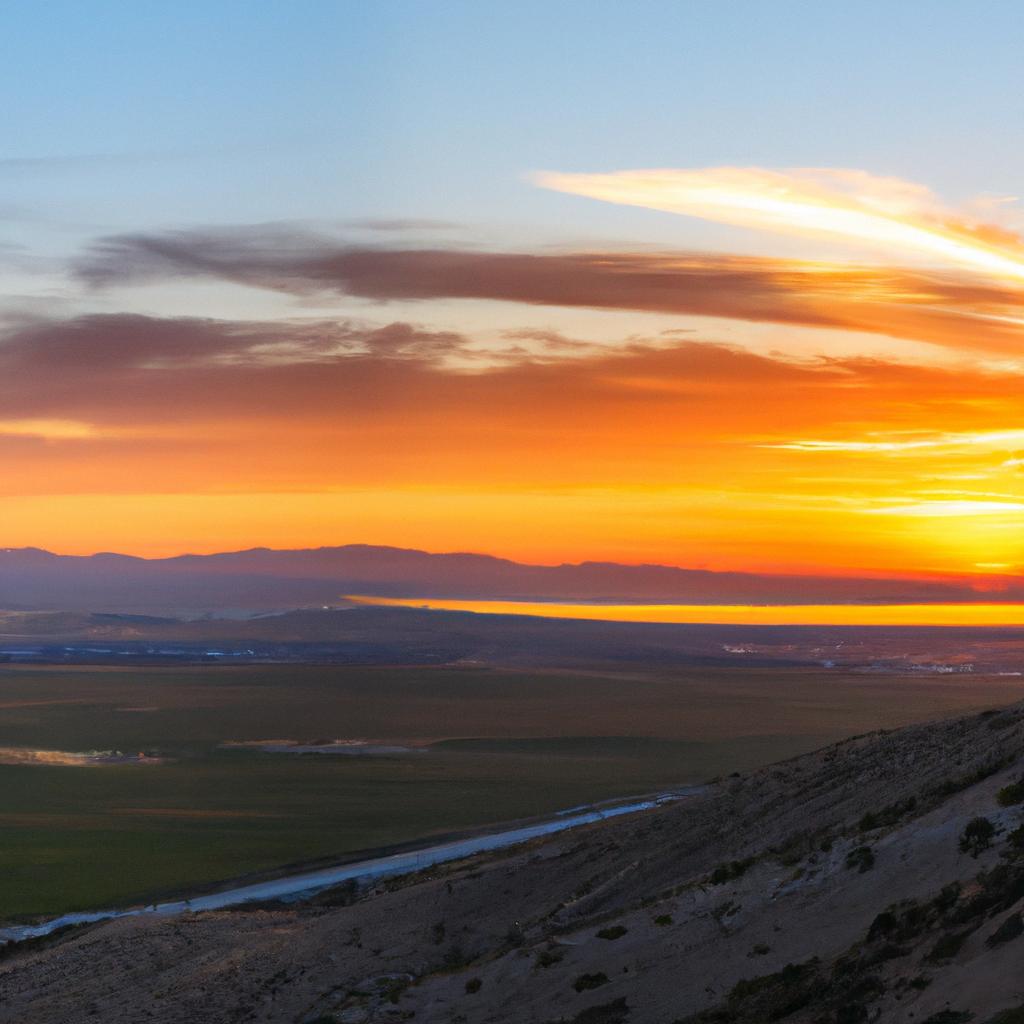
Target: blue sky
{"type": "Point", "coordinates": [139, 115]}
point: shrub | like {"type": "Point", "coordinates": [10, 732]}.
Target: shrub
{"type": "Point", "coordinates": [615, 932]}
{"type": "Point", "coordinates": [1011, 1016]}
{"type": "Point", "coordinates": [663, 920]}
{"type": "Point", "coordinates": [473, 986]}
{"type": "Point", "coordinates": [1011, 795]}
{"type": "Point", "coordinates": [949, 1017]}
{"type": "Point", "coordinates": [760, 950]}
{"type": "Point", "coordinates": [951, 786]}
{"type": "Point", "coordinates": [977, 836]}
{"type": "Point", "coordinates": [884, 923]}
{"type": "Point", "coordinates": [948, 895]}
{"type": "Point", "coordinates": [862, 858]}
{"type": "Point", "coordinates": [585, 982]}
{"type": "Point", "coordinates": [1001, 888]}
{"type": "Point", "coordinates": [548, 958]}
{"type": "Point", "coordinates": [727, 872]}
{"type": "Point", "coordinates": [887, 815]}
{"type": "Point", "coordinates": [780, 994]}
{"type": "Point", "coordinates": [948, 946]}
{"type": "Point", "coordinates": [615, 1012]}
{"type": "Point", "coordinates": [1009, 929]}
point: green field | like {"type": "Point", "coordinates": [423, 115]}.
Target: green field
{"type": "Point", "coordinates": [503, 745]}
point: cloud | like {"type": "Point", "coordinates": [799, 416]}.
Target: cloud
{"type": "Point", "coordinates": [951, 509]}
{"type": "Point", "coordinates": [851, 205]}
{"type": "Point", "coordinates": [47, 429]}
{"type": "Point", "coordinates": [916, 304]}
{"type": "Point", "coordinates": [400, 225]}
{"type": "Point", "coordinates": [137, 372]}
{"type": "Point", "coordinates": [990, 440]}
{"type": "Point", "coordinates": [683, 448]}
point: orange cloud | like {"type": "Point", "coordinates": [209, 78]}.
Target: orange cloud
{"type": "Point", "coordinates": [697, 454]}
{"type": "Point", "coordinates": [154, 434]}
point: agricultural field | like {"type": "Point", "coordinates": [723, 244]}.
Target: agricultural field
{"type": "Point", "coordinates": [205, 802]}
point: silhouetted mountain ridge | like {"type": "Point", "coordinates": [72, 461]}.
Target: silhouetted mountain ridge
{"type": "Point", "coordinates": [266, 578]}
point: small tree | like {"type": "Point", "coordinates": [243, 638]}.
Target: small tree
{"type": "Point", "coordinates": [977, 836]}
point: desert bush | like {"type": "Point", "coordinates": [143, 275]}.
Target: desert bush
{"type": "Point", "coordinates": [1012, 927]}
{"type": "Point", "coordinates": [977, 836]}
{"type": "Point", "coordinates": [1001, 888]}
{"type": "Point", "coordinates": [884, 923]}
{"type": "Point", "coordinates": [663, 920]}
{"type": "Point", "coordinates": [585, 982]}
{"type": "Point", "coordinates": [782, 993]}
{"type": "Point", "coordinates": [949, 1017]}
{"type": "Point", "coordinates": [887, 815]}
{"type": "Point", "coordinates": [548, 958]}
{"type": "Point", "coordinates": [946, 900]}
{"type": "Point", "coordinates": [615, 932]}
{"type": "Point", "coordinates": [955, 785]}
{"type": "Point", "coordinates": [1015, 1015]}
{"type": "Point", "coordinates": [615, 1012]}
{"type": "Point", "coordinates": [948, 946]}
{"type": "Point", "coordinates": [1011, 795]}
{"type": "Point", "coordinates": [727, 872]}
{"type": "Point", "coordinates": [862, 858]}
{"type": "Point", "coordinates": [1015, 840]}
{"type": "Point", "coordinates": [473, 986]}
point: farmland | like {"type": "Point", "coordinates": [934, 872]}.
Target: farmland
{"type": "Point", "coordinates": [489, 745]}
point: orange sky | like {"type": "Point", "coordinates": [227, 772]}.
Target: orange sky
{"type": "Point", "coordinates": [812, 415]}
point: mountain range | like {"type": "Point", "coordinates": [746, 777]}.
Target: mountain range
{"type": "Point", "coordinates": [261, 579]}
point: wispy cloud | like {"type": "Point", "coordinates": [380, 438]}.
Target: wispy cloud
{"type": "Point", "coordinates": [851, 205]}
{"type": "Point", "coordinates": [990, 440]}
{"type": "Point", "coordinates": [916, 304]}
{"type": "Point", "coordinates": [48, 430]}
{"type": "Point", "coordinates": [960, 508]}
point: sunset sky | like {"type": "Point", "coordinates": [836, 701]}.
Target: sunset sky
{"type": "Point", "coordinates": [725, 286]}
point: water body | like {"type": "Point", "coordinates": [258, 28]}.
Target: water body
{"type": "Point", "coordinates": [294, 888]}
{"type": "Point", "coordinates": [978, 613]}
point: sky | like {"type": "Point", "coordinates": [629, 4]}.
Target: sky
{"type": "Point", "coordinates": [724, 286]}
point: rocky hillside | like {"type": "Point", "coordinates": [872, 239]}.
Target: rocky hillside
{"type": "Point", "coordinates": [881, 878]}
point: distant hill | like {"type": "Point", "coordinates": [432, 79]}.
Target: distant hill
{"type": "Point", "coordinates": [263, 579]}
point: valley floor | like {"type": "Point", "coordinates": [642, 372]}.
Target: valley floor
{"type": "Point", "coordinates": [829, 888]}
